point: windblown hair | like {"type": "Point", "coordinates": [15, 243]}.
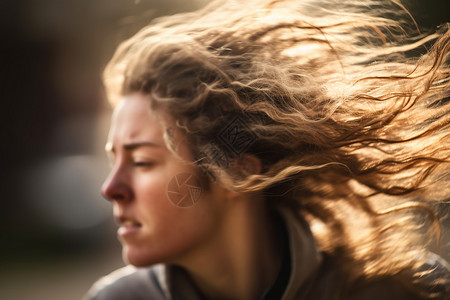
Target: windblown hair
{"type": "Point", "coordinates": [345, 103]}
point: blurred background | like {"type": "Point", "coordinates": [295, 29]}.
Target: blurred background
{"type": "Point", "coordinates": [57, 235]}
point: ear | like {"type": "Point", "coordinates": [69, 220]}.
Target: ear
{"type": "Point", "coordinates": [246, 165]}
{"type": "Point", "coordinates": [242, 167]}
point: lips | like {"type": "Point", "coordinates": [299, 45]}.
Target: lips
{"type": "Point", "coordinates": [127, 226]}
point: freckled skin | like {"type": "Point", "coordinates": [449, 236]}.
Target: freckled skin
{"type": "Point", "coordinates": [137, 186]}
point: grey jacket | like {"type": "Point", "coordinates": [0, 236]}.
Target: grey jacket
{"type": "Point", "coordinates": [311, 277]}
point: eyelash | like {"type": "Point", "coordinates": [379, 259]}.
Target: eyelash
{"type": "Point", "coordinates": [143, 163]}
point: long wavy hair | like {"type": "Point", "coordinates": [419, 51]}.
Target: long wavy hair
{"type": "Point", "coordinates": [345, 103]}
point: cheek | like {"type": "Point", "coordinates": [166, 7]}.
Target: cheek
{"type": "Point", "coordinates": [169, 231]}
{"type": "Point", "coordinates": [164, 221]}
{"type": "Point", "coordinates": [151, 191]}
{"type": "Point", "coordinates": [153, 207]}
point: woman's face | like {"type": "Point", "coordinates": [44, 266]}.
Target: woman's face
{"type": "Point", "coordinates": [164, 213]}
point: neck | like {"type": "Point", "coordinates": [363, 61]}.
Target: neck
{"type": "Point", "coordinates": [243, 260]}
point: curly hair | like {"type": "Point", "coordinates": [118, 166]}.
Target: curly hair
{"type": "Point", "coordinates": [346, 108]}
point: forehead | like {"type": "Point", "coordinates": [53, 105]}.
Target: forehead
{"type": "Point", "coordinates": [132, 120]}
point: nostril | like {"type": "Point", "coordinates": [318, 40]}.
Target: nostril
{"type": "Point", "coordinates": [117, 197]}
{"type": "Point", "coordinates": [113, 194]}
{"type": "Point", "coordinates": [115, 191]}
{"type": "Point", "coordinates": [116, 186]}
{"type": "Point", "coordinates": [111, 187]}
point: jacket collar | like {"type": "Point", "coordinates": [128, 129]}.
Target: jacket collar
{"type": "Point", "coordinates": [305, 257]}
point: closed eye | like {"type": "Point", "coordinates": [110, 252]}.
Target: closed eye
{"type": "Point", "coordinates": [143, 164]}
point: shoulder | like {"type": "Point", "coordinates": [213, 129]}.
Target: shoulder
{"type": "Point", "coordinates": [431, 279]}
{"type": "Point", "coordinates": [434, 276]}
{"type": "Point", "coordinates": [333, 284]}
{"type": "Point", "coordinates": [384, 288]}
{"type": "Point", "coordinates": [129, 283]}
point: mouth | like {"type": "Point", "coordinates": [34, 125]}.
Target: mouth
{"type": "Point", "coordinates": [128, 226]}
{"type": "Point", "coordinates": [130, 223]}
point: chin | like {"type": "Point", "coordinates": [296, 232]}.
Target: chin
{"type": "Point", "coordinates": [138, 257]}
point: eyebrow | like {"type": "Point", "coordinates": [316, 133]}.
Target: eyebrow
{"type": "Point", "coordinates": [130, 146]}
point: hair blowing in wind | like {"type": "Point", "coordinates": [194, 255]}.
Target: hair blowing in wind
{"type": "Point", "coordinates": [349, 103]}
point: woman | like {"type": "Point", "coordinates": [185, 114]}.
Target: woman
{"type": "Point", "coordinates": [279, 150]}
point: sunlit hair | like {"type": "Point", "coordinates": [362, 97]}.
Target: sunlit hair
{"type": "Point", "coordinates": [352, 129]}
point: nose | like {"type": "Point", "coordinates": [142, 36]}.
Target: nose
{"type": "Point", "coordinates": [117, 186]}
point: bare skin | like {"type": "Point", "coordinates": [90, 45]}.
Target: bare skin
{"type": "Point", "coordinates": [227, 241]}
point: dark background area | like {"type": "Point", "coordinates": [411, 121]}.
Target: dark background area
{"type": "Point", "coordinates": [57, 234]}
